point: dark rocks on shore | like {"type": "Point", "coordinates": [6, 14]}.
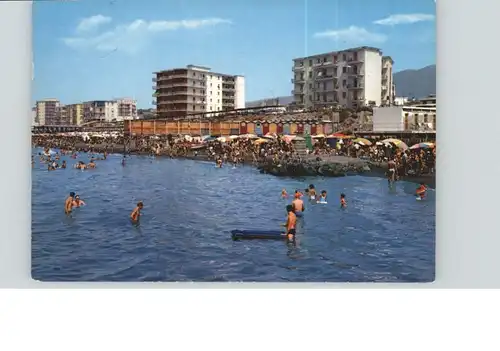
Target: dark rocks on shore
{"type": "Point", "coordinates": [315, 167]}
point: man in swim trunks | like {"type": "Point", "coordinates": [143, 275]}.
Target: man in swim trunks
{"type": "Point", "coordinates": [136, 213]}
{"type": "Point", "coordinates": [291, 221]}
{"type": "Point", "coordinates": [391, 171]}
{"type": "Point", "coordinates": [68, 205]}
{"type": "Point", "coordinates": [77, 202]}
{"type": "Point", "coordinates": [298, 204]}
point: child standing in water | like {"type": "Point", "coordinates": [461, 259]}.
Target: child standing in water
{"type": "Point", "coordinates": [284, 194]}
{"type": "Point", "coordinates": [343, 203]}
{"type": "Point", "coordinates": [322, 197]}
{"type": "Point", "coordinates": [136, 213]}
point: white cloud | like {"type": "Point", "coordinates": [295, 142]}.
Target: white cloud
{"type": "Point", "coordinates": [393, 20]}
{"type": "Point", "coordinates": [134, 36]}
{"type": "Point", "coordinates": [92, 23]}
{"type": "Point", "coordinates": [353, 34]}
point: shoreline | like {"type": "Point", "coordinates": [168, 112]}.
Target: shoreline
{"type": "Point", "coordinates": [346, 166]}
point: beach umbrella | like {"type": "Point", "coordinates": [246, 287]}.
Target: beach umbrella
{"type": "Point", "coordinates": [424, 145]}
{"type": "Point", "coordinates": [362, 141]}
{"type": "Point", "coordinates": [222, 139]}
{"type": "Point", "coordinates": [319, 136]}
{"type": "Point", "coordinates": [261, 141]}
{"type": "Point", "coordinates": [399, 144]}
{"type": "Point", "coordinates": [249, 136]}
{"type": "Point", "coordinates": [233, 137]}
{"type": "Point", "coordinates": [271, 135]}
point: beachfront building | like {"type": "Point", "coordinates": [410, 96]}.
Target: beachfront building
{"type": "Point", "coordinates": [404, 119]}
{"type": "Point", "coordinates": [349, 78]}
{"type": "Point", "coordinates": [100, 110]}
{"type": "Point", "coordinates": [194, 89]}
{"type": "Point", "coordinates": [62, 118]}
{"type": "Point", "coordinates": [388, 87]}
{"type": "Point", "coordinates": [127, 109]}
{"type": "Point", "coordinates": [46, 111]}
{"type": "Point", "coordinates": [34, 121]}
{"type": "Point", "coordinates": [75, 114]}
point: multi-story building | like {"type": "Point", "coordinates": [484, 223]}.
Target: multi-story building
{"type": "Point", "coordinates": [75, 114]}
{"type": "Point", "coordinates": [46, 111]}
{"type": "Point", "coordinates": [193, 89]}
{"type": "Point", "coordinates": [34, 121]}
{"type": "Point", "coordinates": [62, 117]}
{"type": "Point", "coordinates": [349, 78]}
{"type": "Point", "coordinates": [127, 109]}
{"type": "Point", "coordinates": [100, 110]}
{"type": "Point", "coordinates": [388, 87]}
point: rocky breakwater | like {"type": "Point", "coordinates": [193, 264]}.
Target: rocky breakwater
{"type": "Point", "coordinates": [331, 166]}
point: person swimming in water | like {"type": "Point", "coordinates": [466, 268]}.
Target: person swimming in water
{"type": "Point", "coordinates": [63, 165]}
{"type": "Point", "coordinates": [298, 194]}
{"type": "Point", "coordinates": [123, 160]}
{"type": "Point", "coordinates": [77, 202]}
{"type": "Point", "coordinates": [312, 192]}
{"type": "Point", "coordinates": [218, 162]}
{"type": "Point", "coordinates": [136, 213]}
{"type": "Point", "coordinates": [343, 203]}
{"type": "Point", "coordinates": [421, 190]}
{"type": "Point", "coordinates": [68, 205]}
{"type": "Point", "coordinates": [290, 224]}
{"type": "Point", "coordinates": [284, 194]}
{"type": "Point", "coordinates": [322, 198]}
{"type": "Point", "coordinates": [298, 204]}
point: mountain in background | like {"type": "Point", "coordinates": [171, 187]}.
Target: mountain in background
{"type": "Point", "coordinates": [417, 83]}
{"type": "Point", "coordinates": [280, 100]}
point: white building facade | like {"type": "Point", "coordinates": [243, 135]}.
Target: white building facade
{"type": "Point", "coordinates": [126, 109]}
{"type": "Point", "coordinates": [349, 78]}
{"type": "Point", "coordinates": [100, 110]}
{"type": "Point", "coordinates": [404, 119]}
{"type": "Point", "coordinates": [196, 89]}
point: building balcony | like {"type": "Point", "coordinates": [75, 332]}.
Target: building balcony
{"type": "Point", "coordinates": [325, 77]}
{"type": "Point", "coordinates": [297, 92]}
{"type": "Point", "coordinates": [354, 60]}
{"type": "Point", "coordinates": [298, 80]}
{"type": "Point", "coordinates": [325, 90]}
{"type": "Point", "coordinates": [171, 102]}
{"type": "Point", "coordinates": [154, 79]}
{"type": "Point", "coordinates": [172, 76]}
{"type": "Point", "coordinates": [324, 65]}
{"type": "Point", "coordinates": [355, 87]}
{"type": "Point", "coordinates": [298, 68]}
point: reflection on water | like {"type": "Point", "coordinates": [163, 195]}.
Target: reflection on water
{"type": "Point", "coordinates": [190, 208]}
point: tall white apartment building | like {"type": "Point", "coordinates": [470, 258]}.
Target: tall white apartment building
{"type": "Point", "coordinates": [195, 89]}
{"type": "Point", "coordinates": [349, 78]}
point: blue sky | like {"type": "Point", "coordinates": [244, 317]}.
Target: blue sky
{"type": "Point", "coordinates": [103, 49]}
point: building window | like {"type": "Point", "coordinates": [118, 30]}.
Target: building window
{"type": "Point", "coordinates": [425, 119]}
{"type": "Point", "coordinates": [344, 95]}
{"type": "Point", "coordinates": [310, 62]}
{"type": "Point", "coordinates": [343, 57]}
{"type": "Point", "coordinates": [194, 108]}
{"type": "Point", "coordinates": [310, 74]}
{"type": "Point", "coordinates": [194, 91]}
{"type": "Point", "coordinates": [310, 85]}
{"type": "Point", "coordinates": [344, 69]}
{"type": "Point", "coordinates": [194, 99]}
